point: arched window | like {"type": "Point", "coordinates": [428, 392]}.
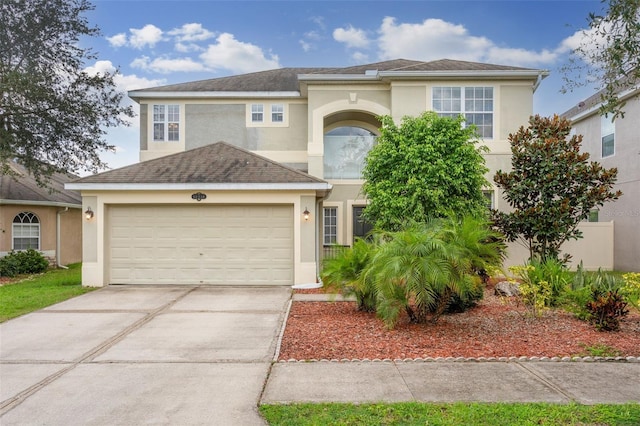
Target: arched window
{"type": "Point", "coordinates": [26, 231]}
{"type": "Point", "coordinates": [345, 149]}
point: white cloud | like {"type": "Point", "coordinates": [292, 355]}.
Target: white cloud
{"type": "Point", "coordinates": [148, 35]}
{"type": "Point", "coordinates": [352, 37]}
{"type": "Point", "coordinates": [432, 39]}
{"type": "Point", "coordinates": [305, 45]}
{"type": "Point", "coordinates": [191, 32]}
{"type": "Point", "coordinates": [519, 57]}
{"type": "Point", "coordinates": [188, 47]}
{"type": "Point", "coordinates": [313, 35]}
{"type": "Point", "coordinates": [118, 40]}
{"type": "Point", "coordinates": [165, 65]}
{"type": "Point", "coordinates": [231, 54]}
{"type": "Point", "coordinates": [360, 58]}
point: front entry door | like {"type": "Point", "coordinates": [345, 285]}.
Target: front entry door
{"type": "Point", "coordinates": [360, 226]}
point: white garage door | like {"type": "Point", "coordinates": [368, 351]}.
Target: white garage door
{"type": "Point", "coordinates": [201, 244]}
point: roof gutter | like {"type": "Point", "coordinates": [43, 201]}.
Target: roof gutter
{"type": "Point", "coordinates": [40, 203]}
{"type": "Point", "coordinates": [315, 186]}
{"type": "Point", "coordinates": [134, 94]}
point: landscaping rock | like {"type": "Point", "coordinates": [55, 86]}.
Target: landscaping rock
{"type": "Point", "coordinates": [507, 288]}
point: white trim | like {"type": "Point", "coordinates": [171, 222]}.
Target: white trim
{"type": "Point", "coordinates": [39, 203]}
{"type": "Point", "coordinates": [210, 94]}
{"type": "Point", "coordinates": [201, 186]}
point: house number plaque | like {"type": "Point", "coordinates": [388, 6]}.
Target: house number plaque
{"type": "Point", "coordinates": [198, 196]}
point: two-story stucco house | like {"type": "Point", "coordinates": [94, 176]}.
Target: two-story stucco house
{"type": "Point", "coordinates": [286, 179]}
{"type": "Point", "coordinates": [616, 143]}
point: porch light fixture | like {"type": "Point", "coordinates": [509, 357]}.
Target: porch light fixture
{"type": "Point", "coordinates": [306, 214]}
{"type": "Point", "coordinates": [88, 214]}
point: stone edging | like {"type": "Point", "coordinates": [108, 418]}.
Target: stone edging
{"type": "Point", "coordinates": [474, 359]}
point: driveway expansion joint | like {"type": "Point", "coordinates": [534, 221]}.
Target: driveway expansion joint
{"type": "Point", "coordinates": [551, 385]}
{"type": "Point", "coordinates": [87, 357]}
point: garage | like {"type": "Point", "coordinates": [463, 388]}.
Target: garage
{"type": "Point", "coordinates": [215, 215]}
{"type": "Point", "coordinates": [201, 244]}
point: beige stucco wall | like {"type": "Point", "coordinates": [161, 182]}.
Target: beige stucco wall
{"type": "Point", "coordinates": [95, 231]}
{"type": "Point", "coordinates": [595, 249]}
{"type": "Point", "coordinates": [70, 230]}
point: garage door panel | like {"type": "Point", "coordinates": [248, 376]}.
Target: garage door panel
{"type": "Point", "coordinates": [201, 244]}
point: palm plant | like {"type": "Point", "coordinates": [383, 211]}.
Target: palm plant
{"type": "Point", "coordinates": [344, 273]}
{"type": "Point", "coordinates": [423, 268]}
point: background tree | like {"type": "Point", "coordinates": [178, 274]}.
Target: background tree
{"type": "Point", "coordinates": [609, 53]}
{"type": "Point", "coordinates": [52, 113]}
{"type": "Point", "coordinates": [428, 166]}
{"type": "Point", "coordinates": [551, 188]}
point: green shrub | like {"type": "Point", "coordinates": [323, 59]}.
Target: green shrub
{"type": "Point", "coordinates": [344, 272]}
{"type": "Point", "coordinates": [29, 261]}
{"type": "Point", "coordinates": [430, 268]}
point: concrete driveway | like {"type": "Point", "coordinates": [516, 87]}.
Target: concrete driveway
{"type": "Point", "coordinates": [128, 355]}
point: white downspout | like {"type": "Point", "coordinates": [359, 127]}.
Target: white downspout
{"type": "Point", "coordinates": [58, 232]}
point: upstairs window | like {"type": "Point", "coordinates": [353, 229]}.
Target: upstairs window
{"type": "Point", "coordinates": [277, 113]}
{"type": "Point", "coordinates": [257, 113]}
{"type": "Point", "coordinates": [474, 103]}
{"type": "Point", "coordinates": [166, 123]}
{"type": "Point", "coordinates": [608, 135]}
{"type": "Point", "coordinates": [345, 151]}
{"type": "Point", "coordinates": [26, 231]}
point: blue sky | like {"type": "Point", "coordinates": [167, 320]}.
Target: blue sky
{"type": "Point", "coordinates": [162, 42]}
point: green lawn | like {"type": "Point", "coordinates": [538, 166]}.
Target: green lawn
{"type": "Point", "coordinates": [476, 414]}
{"type": "Point", "coordinates": [34, 292]}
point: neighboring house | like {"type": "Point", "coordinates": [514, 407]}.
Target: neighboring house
{"type": "Point", "coordinates": [616, 143]}
{"type": "Point", "coordinates": [287, 179]}
{"type": "Point", "coordinates": [48, 220]}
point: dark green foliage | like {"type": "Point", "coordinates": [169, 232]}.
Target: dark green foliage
{"type": "Point", "coordinates": [53, 113]}
{"type": "Point", "coordinates": [23, 262]}
{"type": "Point", "coordinates": [426, 167]}
{"type": "Point", "coordinates": [425, 268]}
{"type": "Point", "coordinates": [552, 187]}
{"type": "Point", "coordinates": [344, 273]}
{"type": "Point", "coordinates": [606, 309]}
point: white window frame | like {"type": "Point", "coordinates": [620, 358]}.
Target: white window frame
{"type": "Point", "coordinates": [257, 113]}
{"type": "Point", "coordinates": [452, 106]}
{"type": "Point", "coordinates": [169, 118]}
{"type": "Point", "coordinates": [335, 234]}
{"type": "Point", "coordinates": [277, 113]}
{"type": "Point", "coordinates": [490, 196]}
{"type": "Point", "coordinates": [607, 129]}
{"type": "Point", "coordinates": [29, 222]}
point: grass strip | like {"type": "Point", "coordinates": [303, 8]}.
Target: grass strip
{"type": "Point", "coordinates": [35, 292]}
{"type": "Point", "coordinates": [415, 413]}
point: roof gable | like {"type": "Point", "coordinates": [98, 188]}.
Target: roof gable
{"type": "Point", "coordinates": [218, 163]}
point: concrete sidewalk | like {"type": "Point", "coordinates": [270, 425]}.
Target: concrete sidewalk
{"type": "Point", "coordinates": [448, 381]}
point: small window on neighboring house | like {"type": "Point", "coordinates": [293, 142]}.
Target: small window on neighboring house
{"type": "Point", "coordinates": [277, 113]}
{"type": "Point", "coordinates": [474, 103]}
{"type": "Point", "coordinates": [330, 217]}
{"type": "Point", "coordinates": [608, 130]}
{"type": "Point", "coordinates": [26, 231]}
{"type": "Point", "coordinates": [257, 113]}
{"type": "Point", "coordinates": [488, 197]}
{"type": "Point", "coordinates": [593, 216]}
{"type": "Point", "coordinates": [166, 123]}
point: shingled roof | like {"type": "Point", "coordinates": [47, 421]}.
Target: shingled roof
{"type": "Point", "coordinates": [286, 79]}
{"type": "Point", "coordinates": [24, 188]}
{"type": "Point", "coordinates": [218, 163]}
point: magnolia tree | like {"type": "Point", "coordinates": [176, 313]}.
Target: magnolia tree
{"type": "Point", "coordinates": [551, 188]}
{"type": "Point", "coordinates": [53, 114]}
{"type": "Point", "coordinates": [428, 166]}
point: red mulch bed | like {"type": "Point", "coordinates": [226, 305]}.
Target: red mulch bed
{"type": "Point", "coordinates": [497, 327]}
